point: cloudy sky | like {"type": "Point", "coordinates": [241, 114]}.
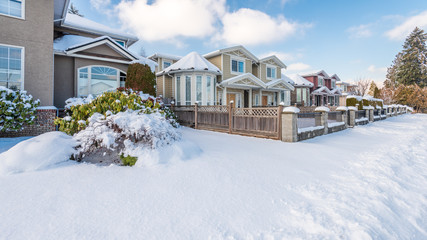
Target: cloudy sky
{"type": "Point", "coordinates": [355, 39]}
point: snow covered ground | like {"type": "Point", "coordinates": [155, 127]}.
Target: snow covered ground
{"type": "Point", "coordinates": [361, 183]}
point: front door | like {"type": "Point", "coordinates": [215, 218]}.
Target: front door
{"type": "Point", "coordinates": [264, 100]}
{"type": "Point", "coordinates": [231, 97]}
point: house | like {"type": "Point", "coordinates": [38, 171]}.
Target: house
{"type": "Point", "coordinates": [324, 91]}
{"type": "Point", "coordinates": [237, 76]}
{"type": "Point", "coordinates": [301, 95]}
{"type": "Point", "coordinates": [55, 55]}
{"type": "Point", "coordinates": [164, 84]}
{"type": "Point", "coordinates": [346, 88]}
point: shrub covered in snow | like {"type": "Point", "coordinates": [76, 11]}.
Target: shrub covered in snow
{"type": "Point", "coordinates": [16, 109]}
{"type": "Point", "coordinates": [111, 126]}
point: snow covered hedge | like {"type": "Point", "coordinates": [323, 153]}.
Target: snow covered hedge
{"type": "Point", "coordinates": [113, 125]}
{"type": "Point", "coordinates": [16, 109]}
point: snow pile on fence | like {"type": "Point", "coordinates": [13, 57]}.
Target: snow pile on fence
{"type": "Point", "coordinates": [38, 153]}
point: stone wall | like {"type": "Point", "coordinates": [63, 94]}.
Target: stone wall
{"type": "Point", "coordinates": [44, 123]}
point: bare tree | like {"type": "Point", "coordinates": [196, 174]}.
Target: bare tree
{"type": "Point", "coordinates": [362, 86]}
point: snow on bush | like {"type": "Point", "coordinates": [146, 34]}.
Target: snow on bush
{"type": "Point", "coordinates": [38, 153]}
{"type": "Point", "coordinates": [16, 109]}
{"type": "Point", "coordinates": [111, 126]}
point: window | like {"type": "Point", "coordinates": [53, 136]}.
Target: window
{"type": "Point", "coordinates": [98, 79]}
{"type": "Point", "coordinates": [333, 84]}
{"type": "Point", "coordinates": [122, 43]}
{"type": "Point", "coordinates": [12, 8]}
{"type": "Point", "coordinates": [208, 90]}
{"type": "Point", "coordinates": [256, 99]}
{"type": "Point", "coordinates": [11, 67]}
{"type": "Point", "coordinates": [199, 89]}
{"type": "Point", "coordinates": [304, 95]}
{"type": "Point", "coordinates": [178, 90]}
{"type": "Point", "coordinates": [237, 66]}
{"type": "Point", "coordinates": [166, 64]}
{"type": "Point", "coordinates": [271, 72]}
{"type": "Point", "coordinates": [298, 95]}
{"type": "Point", "coordinates": [320, 81]}
{"type": "Point", "coordinates": [187, 90]}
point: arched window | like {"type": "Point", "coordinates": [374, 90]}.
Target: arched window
{"type": "Point", "coordinates": [98, 79]}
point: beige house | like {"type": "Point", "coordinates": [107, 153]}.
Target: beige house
{"type": "Point", "coordinates": [238, 76]}
{"type": "Point", "coordinates": [54, 55]}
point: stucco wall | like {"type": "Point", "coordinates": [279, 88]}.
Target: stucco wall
{"type": "Point", "coordinates": [35, 34]}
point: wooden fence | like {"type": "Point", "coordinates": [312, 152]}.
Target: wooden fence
{"type": "Point", "coordinates": [258, 122]}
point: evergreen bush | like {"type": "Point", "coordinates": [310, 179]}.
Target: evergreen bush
{"type": "Point", "coordinates": [139, 77]}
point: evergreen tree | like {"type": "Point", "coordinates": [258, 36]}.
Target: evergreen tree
{"type": "Point", "coordinates": [74, 10]}
{"type": "Point", "coordinates": [139, 77]}
{"type": "Point", "coordinates": [410, 65]}
{"type": "Point", "coordinates": [373, 90]}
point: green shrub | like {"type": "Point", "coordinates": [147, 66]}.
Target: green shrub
{"type": "Point", "coordinates": [352, 102]}
{"type": "Point", "coordinates": [139, 77]}
{"type": "Point", "coordinates": [16, 109]}
{"type": "Point", "coordinates": [128, 160]}
{"type": "Point", "coordinates": [109, 103]}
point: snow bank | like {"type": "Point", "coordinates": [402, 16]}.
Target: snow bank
{"type": "Point", "coordinates": [335, 124]}
{"type": "Point", "coordinates": [322, 109]}
{"type": "Point", "coordinates": [37, 153]}
{"type": "Point", "coordinates": [309, 129]}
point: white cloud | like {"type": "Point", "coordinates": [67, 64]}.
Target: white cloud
{"type": "Point", "coordinates": [169, 19]}
{"type": "Point", "coordinates": [253, 27]}
{"type": "Point", "coordinates": [374, 69]}
{"type": "Point", "coordinates": [100, 4]}
{"type": "Point", "coordinates": [361, 31]}
{"type": "Point", "coordinates": [401, 31]}
{"type": "Point", "coordinates": [296, 67]}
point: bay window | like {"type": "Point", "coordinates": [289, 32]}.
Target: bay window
{"type": "Point", "coordinates": [11, 67]}
{"type": "Point", "coordinates": [187, 90]}
{"type": "Point", "coordinates": [178, 90]}
{"type": "Point", "coordinates": [199, 89]}
{"type": "Point", "coordinates": [208, 90]}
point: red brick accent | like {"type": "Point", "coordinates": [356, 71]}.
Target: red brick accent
{"type": "Point", "coordinates": [44, 123]}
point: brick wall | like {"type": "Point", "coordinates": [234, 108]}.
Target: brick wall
{"type": "Point", "coordinates": [44, 123]}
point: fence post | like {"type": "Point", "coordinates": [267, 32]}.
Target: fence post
{"type": "Point", "coordinates": [195, 115]}
{"type": "Point", "coordinates": [324, 118]}
{"type": "Point", "coordinates": [289, 127]}
{"type": "Point", "coordinates": [230, 117]}
{"type": "Point", "coordinates": [371, 115]}
{"type": "Point", "coordinates": [352, 116]}
{"type": "Point", "coordinates": [343, 110]}
{"type": "Point", "coordinates": [279, 120]}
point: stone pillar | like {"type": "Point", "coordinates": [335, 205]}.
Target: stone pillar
{"type": "Point", "coordinates": [367, 114]}
{"type": "Point", "coordinates": [344, 115]}
{"type": "Point", "coordinates": [352, 116]}
{"type": "Point", "coordinates": [371, 115]}
{"type": "Point", "coordinates": [289, 124]}
{"type": "Point", "coordinates": [323, 118]}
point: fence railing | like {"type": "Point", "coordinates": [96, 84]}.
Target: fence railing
{"type": "Point", "coordinates": [360, 114]}
{"type": "Point", "coordinates": [335, 117]}
{"type": "Point", "coordinates": [261, 121]}
{"type": "Point", "coordinates": [306, 120]}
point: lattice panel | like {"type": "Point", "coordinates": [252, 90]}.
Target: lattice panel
{"type": "Point", "coordinates": [213, 109]}
{"type": "Point", "coordinates": [256, 112]}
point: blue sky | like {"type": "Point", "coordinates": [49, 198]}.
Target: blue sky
{"type": "Point", "coordinates": [355, 39]}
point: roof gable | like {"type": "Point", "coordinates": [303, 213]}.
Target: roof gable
{"type": "Point", "coordinates": [236, 50]}
{"type": "Point", "coordinates": [191, 62]}
{"type": "Point", "coordinates": [280, 84]}
{"type": "Point", "coordinates": [244, 80]}
{"type": "Point", "coordinates": [274, 60]}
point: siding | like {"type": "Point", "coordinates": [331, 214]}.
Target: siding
{"type": "Point", "coordinates": [159, 86]}
{"type": "Point", "coordinates": [248, 66]}
{"type": "Point", "coordinates": [255, 70]}
{"type": "Point", "coordinates": [216, 61]}
{"type": "Point", "coordinates": [168, 87]}
{"type": "Point", "coordinates": [64, 80]}
{"type": "Point", "coordinates": [226, 72]}
{"type": "Point", "coordinates": [263, 76]}
{"type": "Point", "coordinates": [104, 50]}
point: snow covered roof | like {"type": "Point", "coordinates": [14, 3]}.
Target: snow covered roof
{"type": "Point", "coordinates": [336, 91]}
{"type": "Point", "coordinates": [191, 62]}
{"type": "Point", "coordinates": [288, 79]}
{"type": "Point", "coordinates": [322, 89]}
{"type": "Point", "coordinates": [167, 56]}
{"type": "Point", "coordinates": [273, 83]}
{"type": "Point", "coordinates": [76, 22]}
{"type": "Point", "coordinates": [335, 76]}
{"type": "Point", "coordinates": [275, 59]}
{"type": "Point", "coordinates": [300, 81]}
{"type": "Point", "coordinates": [251, 81]}
{"type": "Point", "coordinates": [231, 49]}
{"type": "Point", "coordinates": [317, 73]}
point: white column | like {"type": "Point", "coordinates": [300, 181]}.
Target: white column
{"type": "Point", "coordinates": [260, 97]}
{"type": "Point", "coordinates": [250, 97]}
{"type": "Point", "coordinates": [224, 96]}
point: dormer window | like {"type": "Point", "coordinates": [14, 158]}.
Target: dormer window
{"type": "Point", "coordinates": [13, 8]}
{"type": "Point", "coordinates": [271, 72]}
{"type": "Point", "coordinates": [122, 43]}
{"type": "Point", "coordinates": [166, 64]}
{"type": "Point", "coordinates": [237, 66]}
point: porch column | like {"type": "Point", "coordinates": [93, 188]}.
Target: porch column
{"type": "Point", "coordinates": [314, 100]}
{"type": "Point", "coordinates": [260, 97]}
{"type": "Point", "coordinates": [278, 98]}
{"type": "Point", "coordinates": [321, 100]}
{"type": "Point", "coordinates": [250, 97]}
{"type": "Point", "coordinates": [224, 96]}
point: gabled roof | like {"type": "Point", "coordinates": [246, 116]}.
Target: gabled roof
{"type": "Point", "coordinates": [335, 76]}
{"type": "Point", "coordinates": [70, 44]}
{"type": "Point", "coordinates": [336, 91]}
{"type": "Point", "coordinates": [274, 83]}
{"type": "Point", "coordinates": [239, 80]}
{"type": "Point", "coordinates": [300, 81]}
{"type": "Point", "coordinates": [288, 79]}
{"type": "Point", "coordinates": [162, 55]}
{"type": "Point", "coordinates": [322, 89]}
{"type": "Point", "coordinates": [82, 24]}
{"type": "Point", "coordinates": [275, 59]}
{"type": "Point", "coordinates": [317, 74]}
{"type": "Point", "coordinates": [230, 49]}
{"type": "Point", "coordinates": [191, 62]}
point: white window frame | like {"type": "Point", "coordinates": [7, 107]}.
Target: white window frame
{"type": "Point", "coordinates": [178, 90]}
{"type": "Point", "coordinates": [199, 77]}
{"type": "Point", "coordinates": [320, 81]}
{"type": "Point", "coordinates": [22, 12]}
{"type": "Point", "coordinates": [89, 72]}
{"type": "Point", "coordinates": [22, 62]}
{"type": "Point", "coordinates": [121, 41]}
{"type": "Point", "coordinates": [238, 59]}
{"type": "Point", "coordinates": [163, 65]}
{"type": "Point", "coordinates": [266, 71]}
{"type": "Point", "coordinates": [188, 101]}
